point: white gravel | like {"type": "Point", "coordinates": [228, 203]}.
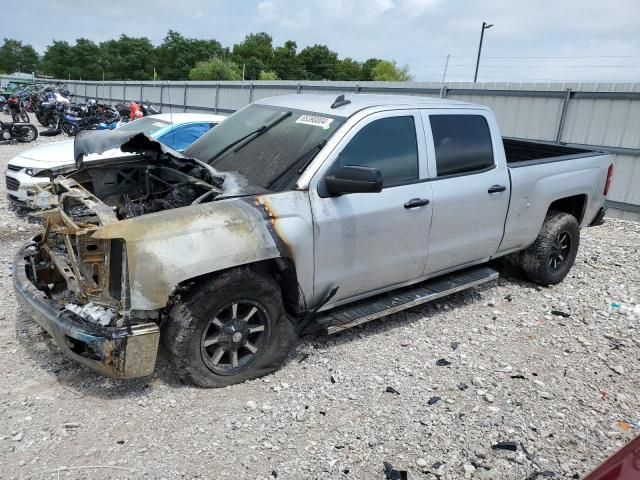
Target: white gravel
{"type": "Point", "coordinates": [565, 388]}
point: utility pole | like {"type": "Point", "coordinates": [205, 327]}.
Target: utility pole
{"type": "Point", "coordinates": [485, 26]}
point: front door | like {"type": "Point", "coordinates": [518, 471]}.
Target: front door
{"type": "Point", "coordinates": [368, 242]}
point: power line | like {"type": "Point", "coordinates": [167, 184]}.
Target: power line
{"type": "Point", "coordinates": [531, 66]}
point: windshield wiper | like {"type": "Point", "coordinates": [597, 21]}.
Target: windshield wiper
{"type": "Point", "coordinates": [245, 138]}
{"type": "Point", "coordinates": [311, 153]}
{"type": "Point", "coordinates": [313, 150]}
{"type": "Point", "coordinates": [261, 130]}
{"type": "Point", "coordinates": [234, 143]}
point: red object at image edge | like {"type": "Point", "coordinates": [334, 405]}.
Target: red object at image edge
{"type": "Point", "coordinates": [622, 465]}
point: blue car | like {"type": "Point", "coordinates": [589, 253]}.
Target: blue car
{"type": "Point", "coordinates": [176, 130]}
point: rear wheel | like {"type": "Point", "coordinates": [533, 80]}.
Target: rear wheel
{"type": "Point", "coordinates": [230, 329]}
{"type": "Point", "coordinates": [26, 133]}
{"type": "Point", "coordinates": [552, 255]}
{"type": "Point", "coordinates": [69, 128]}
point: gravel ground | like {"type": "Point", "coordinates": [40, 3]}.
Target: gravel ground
{"type": "Point", "coordinates": [560, 385]}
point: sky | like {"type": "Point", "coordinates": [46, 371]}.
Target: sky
{"type": "Point", "coordinates": [531, 40]}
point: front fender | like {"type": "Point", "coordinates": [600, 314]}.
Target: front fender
{"type": "Point", "coordinates": [166, 248]}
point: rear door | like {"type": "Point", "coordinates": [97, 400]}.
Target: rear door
{"type": "Point", "coordinates": [471, 187]}
{"type": "Point", "coordinates": [368, 242]}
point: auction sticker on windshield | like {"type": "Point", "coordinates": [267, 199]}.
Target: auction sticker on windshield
{"type": "Point", "coordinates": [316, 121]}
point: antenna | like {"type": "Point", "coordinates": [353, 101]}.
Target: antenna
{"type": "Point", "coordinates": [340, 101]}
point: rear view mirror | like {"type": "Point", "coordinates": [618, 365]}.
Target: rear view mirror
{"type": "Point", "coordinates": [353, 179]}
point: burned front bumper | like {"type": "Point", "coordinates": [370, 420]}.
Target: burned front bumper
{"type": "Point", "coordinates": [117, 352]}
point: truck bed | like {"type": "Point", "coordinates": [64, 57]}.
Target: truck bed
{"type": "Point", "coordinates": [521, 153]}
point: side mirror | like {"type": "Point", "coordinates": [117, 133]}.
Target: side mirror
{"type": "Point", "coordinates": [353, 179]}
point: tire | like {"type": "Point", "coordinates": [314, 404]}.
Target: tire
{"type": "Point", "coordinates": [29, 133]}
{"type": "Point", "coordinates": [69, 128]}
{"type": "Point", "coordinates": [43, 120]}
{"type": "Point", "coordinates": [24, 117]}
{"type": "Point", "coordinates": [552, 255]}
{"type": "Point", "coordinates": [201, 326]}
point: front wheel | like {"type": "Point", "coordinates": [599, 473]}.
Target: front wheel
{"type": "Point", "coordinates": [228, 330]}
{"type": "Point", "coordinates": [552, 255]}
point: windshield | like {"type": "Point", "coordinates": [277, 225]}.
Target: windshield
{"type": "Point", "coordinates": [268, 145]}
{"type": "Point", "coordinates": [146, 125]}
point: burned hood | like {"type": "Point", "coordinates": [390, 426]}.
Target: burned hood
{"type": "Point", "coordinates": [99, 141]}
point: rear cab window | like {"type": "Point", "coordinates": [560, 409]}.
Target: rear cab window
{"type": "Point", "coordinates": [462, 144]}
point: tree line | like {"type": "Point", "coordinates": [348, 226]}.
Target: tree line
{"type": "Point", "coordinates": [182, 58]}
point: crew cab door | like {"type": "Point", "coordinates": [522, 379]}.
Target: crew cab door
{"type": "Point", "coordinates": [368, 242]}
{"type": "Point", "coordinates": [471, 187]}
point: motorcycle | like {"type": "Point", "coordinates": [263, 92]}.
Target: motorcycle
{"type": "Point", "coordinates": [149, 109]}
{"type": "Point", "coordinates": [18, 131]}
{"type": "Point", "coordinates": [91, 117]}
{"type": "Point", "coordinates": [17, 110]}
{"type": "Point", "coordinates": [47, 105]}
{"type": "Point", "coordinates": [132, 110]}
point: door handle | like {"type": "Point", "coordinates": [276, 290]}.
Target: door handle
{"type": "Point", "coordinates": [496, 188]}
{"type": "Point", "coordinates": [416, 202]}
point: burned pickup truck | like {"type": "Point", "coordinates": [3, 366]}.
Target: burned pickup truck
{"type": "Point", "coordinates": [299, 213]}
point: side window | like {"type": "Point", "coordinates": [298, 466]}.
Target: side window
{"type": "Point", "coordinates": [388, 144]}
{"type": "Point", "coordinates": [463, 143]}
{"type": "Point", "coordinates": [181, 137]}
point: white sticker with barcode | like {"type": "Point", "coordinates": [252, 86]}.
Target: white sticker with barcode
{"type": "Point", "coordinates": [316, 121]}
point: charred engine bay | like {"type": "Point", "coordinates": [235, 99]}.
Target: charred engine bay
{"type": "Point", "coordinates": [137, 188]}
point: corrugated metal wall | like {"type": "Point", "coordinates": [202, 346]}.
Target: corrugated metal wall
{"type": "Point", "coordinates": [602, 115]}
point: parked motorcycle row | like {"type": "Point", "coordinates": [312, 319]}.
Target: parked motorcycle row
{"type": "Point", "coordinates": [15, 100]}
{"type": "Point", "coordinates": [53, 108]}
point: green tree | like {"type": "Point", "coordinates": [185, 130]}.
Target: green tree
{"type": "Point", "coordinates": [268, 75]}
{"type": "Point", "coordinates": [255, 52]}
{"type": "Point", "coordinates": [367, 68]}
{"type": "Point", "coordinates": [14, 57]}
{"type": "Point", "coordinates": [84, 63]}
{"type": "Point", "coordinates": [57, 60]}
{"type": "Point", "coordinates": [320, 62]}
{"type": "Point", "coordinates": [127, 58]}
{"type": "Point", "coordinates": [286, 62]}
{"type": "Point", "coordinates": [349, 69]}
{"type": "Point", "coordinates": [177, 55]}
{"type": "Point", "coordinates": [215, 69]}
{"type": "Point", "coordinates": [386, 71]}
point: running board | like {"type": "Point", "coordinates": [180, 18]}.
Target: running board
{"type": "Point", "coordinates": [342, 318]}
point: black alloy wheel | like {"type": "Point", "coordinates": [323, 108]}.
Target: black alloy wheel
{"type": "Point", "coordinates": [235, 337]}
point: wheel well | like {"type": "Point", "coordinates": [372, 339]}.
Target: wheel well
{"type": "Point", "coordinates": [574, 205]}
{"type": "Point", "coordinates": [282, 270]}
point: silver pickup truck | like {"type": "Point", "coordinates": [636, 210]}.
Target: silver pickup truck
{"type": "Point", "coordinates": [297, 214]}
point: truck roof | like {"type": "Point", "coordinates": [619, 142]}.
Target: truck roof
{"type": "Point", "coordinates": [321, 103]}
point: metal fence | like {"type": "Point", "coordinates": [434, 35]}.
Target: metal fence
{"type": "Point", "coordinates": [602, 116]}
